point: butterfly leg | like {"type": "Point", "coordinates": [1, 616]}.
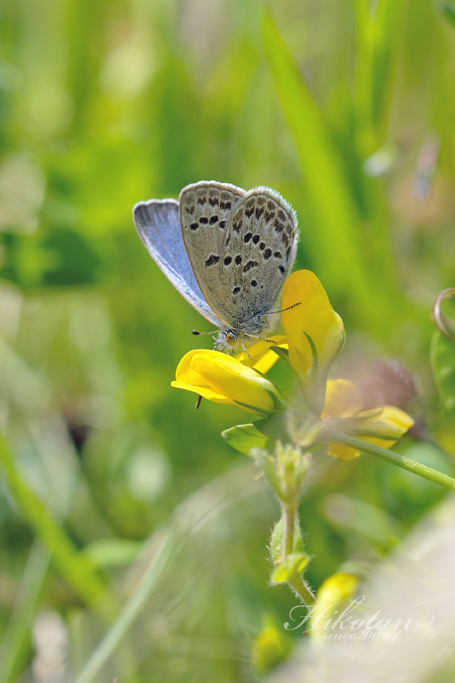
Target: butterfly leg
{"type": "Point", "coordinates": [244, 348]}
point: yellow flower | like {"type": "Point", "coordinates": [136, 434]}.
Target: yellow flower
{"type": "Point", "coordinates": [260, 355]}
{"type": "Point", "coordinates": [315, 317]}
{"type": "Point", "coordinates": [223, 379]}
{"type": "Point", "coordinates": [331, 600]}
{"type": "Point", "coordinates": [344, 406]}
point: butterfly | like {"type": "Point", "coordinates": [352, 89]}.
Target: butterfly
{"type": "Point", "coordinates": [226, 250]}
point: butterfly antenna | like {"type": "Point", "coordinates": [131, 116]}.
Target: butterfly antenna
{"type": "Point", "coordinates": [285, 309]}
{"type": "Point", "coordinates": [198, 402]}
{"type": "Point", "coordinates": [269, 341]}
{"type": "Point", "coordinates": [201, 333]}
{"type": "Point", "coordinates": [244, 348]}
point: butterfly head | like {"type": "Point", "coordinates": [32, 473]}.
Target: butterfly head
{"type": "Point", "coordinates": [227, 341]}
{"type": "Point", "coordinates": [230, 337]}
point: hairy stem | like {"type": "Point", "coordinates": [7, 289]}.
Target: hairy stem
{"type": "Point", "coordinates": [290, 521]}
{"type": "Point", "coordinates": [302, 590]}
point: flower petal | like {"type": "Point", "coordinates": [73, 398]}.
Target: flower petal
{"type": "Point", "coordinates": [386, 427]}
{"type": "Point", "coordinates": [224, 379]}
{"type": "Point", "coordinates": [204, 392]}
{"type": "Point", "coordinates": [262, 356]}
{"type": "Point", "coordinates": [342, 399]}
{"type": "Point", "coordinates": [230, 378]}
{"type": "Point", "coordinates": [342, 452]}
{"type": "Point", "coordinates": [313, 316]}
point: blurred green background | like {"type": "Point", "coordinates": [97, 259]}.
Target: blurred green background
{"type": "Point", "coordinates": [347, 108]}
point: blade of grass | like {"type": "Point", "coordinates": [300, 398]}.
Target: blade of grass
{"type": "Point", "coordinates": [337, 241]}
{"type": "Point", "coordinates": [379, 38]}
{"type": "Point", "coordinates": [72, 565]}
{"type": "Point", "coordinates": [190, 518]}
{"type": "Point", "coordinates": [24, 608]}
{"type": "Point", "coordinates": [131, 608]}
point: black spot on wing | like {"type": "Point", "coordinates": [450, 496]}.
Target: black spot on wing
{"type": "Point", "coordinates": [249, 209]}
{"type": "Point", "coordinates": [213, 260]}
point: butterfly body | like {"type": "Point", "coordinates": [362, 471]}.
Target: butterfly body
{"type": "Point", "coordinates": [226, 250]}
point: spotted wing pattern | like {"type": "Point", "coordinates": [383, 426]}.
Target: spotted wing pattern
{"type": "Point", "coordinates": [259, 252]}
{"type": "Point", "coordinates": [205, 212]}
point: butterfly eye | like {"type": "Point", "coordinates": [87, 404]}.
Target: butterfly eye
{"type": "Point", "coordinates": [230, 338]}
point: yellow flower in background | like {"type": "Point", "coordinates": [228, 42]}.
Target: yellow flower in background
{"type": "Point", "coordinates": [332, 597]}
{"type": "Point", "coordinates": [382, 426]}
{"type": "Point", "coordinates": [223, 379]}
{"type": "Point", "coordinates": [315, 317]}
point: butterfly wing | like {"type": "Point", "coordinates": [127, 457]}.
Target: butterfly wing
{"type": "Point", "coordinates": [261, 244]}
{"type": "Point", "coordinates": [158, 225]}
{"type": "Point", "coordinates": [205, 211]}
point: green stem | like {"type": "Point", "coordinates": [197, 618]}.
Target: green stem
{"type": "Point", "coordinates": [289, 519]}
{"type": "Point", "coordinates": [302, 590]}
{"type": "Point", "coordinates": [334, 436]}
{"type": "Point", "coordinates": [290, 523]}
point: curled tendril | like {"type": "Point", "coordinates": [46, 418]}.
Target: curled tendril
{"type": "Point", "coordinates": [439, 315]}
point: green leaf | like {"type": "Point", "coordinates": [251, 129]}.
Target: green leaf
{"type": "Point", "coordinates": [447, 10]}
{"type": "Point", "coordinates": [276, 541]}
{"type": "Point", "coordinates": [59, 258]}
{"type": "Point", "coordinates": [337, 242]}
{"type": "Point", "coordinates": [292, 566]}
{"type": "Point", "coordinates": [245, 437]}
{"type": "Point", "coordinates": [277, 426]}
{"type": "Point", "coordinates": [443, 365]}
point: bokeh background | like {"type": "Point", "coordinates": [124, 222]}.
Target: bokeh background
{"type": "Point", "coordinates": [347, 108]}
